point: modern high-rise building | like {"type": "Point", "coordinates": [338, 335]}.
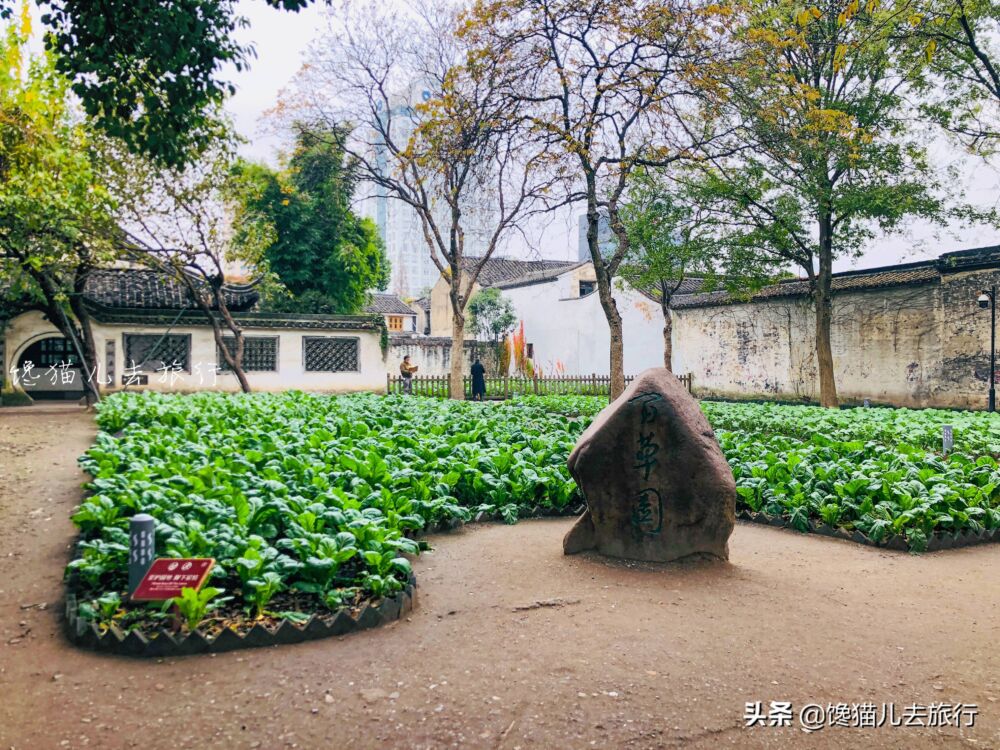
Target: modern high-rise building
{"type": "Point", "coordinates": [412, 270]}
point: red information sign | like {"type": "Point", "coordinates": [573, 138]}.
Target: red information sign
{"type": "Point", "coordinates": [168, 575]}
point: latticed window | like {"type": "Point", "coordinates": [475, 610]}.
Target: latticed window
{"type": "Point", "coordinates": [260, 353]}
{"type": "Point", "coordinates": [149, 351]}
{"type": "Point", "coordinates": [54, 351]}
{"type": "Point", "coordinates": [395, 322]}
{"type": "Point", "coordinates": [326, 354]}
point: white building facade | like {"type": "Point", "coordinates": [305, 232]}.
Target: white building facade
{"type": "Point", "coordinates": [564, 324]}
{"type": "Point", "coordinates": [567, 330]}
{"type": "Point", "coordinates": [146, 340]}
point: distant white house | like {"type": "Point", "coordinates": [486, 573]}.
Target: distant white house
{"type": "Point", "coordinates": [564, 323]}
{"type": "Point", "coordinates": [422, 307]}
{"type": "Point", "coordinates": [399, 316]}
{"type": "Point", "coordinates": [567, 328]}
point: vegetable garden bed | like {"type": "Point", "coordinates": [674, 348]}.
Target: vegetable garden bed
{"type": "Point", "coordinates": [937, 542]}
{"type": "Point", "coordinates": [311, 505]}
{"type": "Point", "coordinates": [227, 630]}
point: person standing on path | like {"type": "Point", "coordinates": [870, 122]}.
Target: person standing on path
{"type": "Point", "coordinates": [478, 381]}
{"type": "Point", "coordinates": [406, 369]}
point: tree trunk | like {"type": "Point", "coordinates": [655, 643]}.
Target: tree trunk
{"type": "Point", "coordinates": [604, 293]}
{"type": "Point", "coordinates": [823, 297]}
{"type": "Point", "coordinates": [88, 364]}
{"type": "Point", "coordinates": [456, 378]}
{"type": "Point", "coordinates": [668, 327]}
{"type": "Point", "coordinates": [77, 336]}
{"type": "Point", "coordinates": [668, 344]}
{"type": "Point", "coordinates": [456, 375]}
{"type": "Point", "coordinates": [614, 318]}
{"type": "Point", "coordinates": [617, 353]}
{"type": "Point", "coordinates": [87, 343]}
{"type": "Point", "coordinates": [235, 361]}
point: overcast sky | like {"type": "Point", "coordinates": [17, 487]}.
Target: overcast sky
{"type": "Point", "coordinates": [281, 38]}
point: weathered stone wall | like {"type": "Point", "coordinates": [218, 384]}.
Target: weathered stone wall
{"type": "Point", "coordinates": [431, 354]}
{"type": "Point", "coordinates": [924, 345]}
{"type": "Point", "coordinates": [963, 376]}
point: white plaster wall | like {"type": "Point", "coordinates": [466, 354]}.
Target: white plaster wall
{"type": "Point", "coordinates": [25, 329]}
{"type": "Point", "coordinates": [750, 350]}
{"type": "Point", "coordinates": [962, 373]}
{"type": "Point", "coordinates": [291, 372]}
{"type": "Point", "coordinates": [574, 331]}
{"type": "Point", "coordinates": [18, 335]}
{"type": "Point", "coordinates": [642, 324]}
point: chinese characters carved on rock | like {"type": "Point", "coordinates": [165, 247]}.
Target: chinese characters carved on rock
{"type": "Point", "coordinates": [656, 483]}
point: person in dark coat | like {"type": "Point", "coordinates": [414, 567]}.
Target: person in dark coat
{"type": "Point", "coordinates": [478, 381]}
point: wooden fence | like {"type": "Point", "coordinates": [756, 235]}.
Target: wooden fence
{"type": "Point", "coordinates": [498, 389]}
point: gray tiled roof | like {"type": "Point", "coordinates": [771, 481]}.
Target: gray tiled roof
{"type": "Point", "coordinates": [131, 288]}
{"type": "Point", "coordinates": [689, 285]}
{"type": "Point", "coordinates": [409, 338]}
{"type": "Point", "coordinates": [145, 316]}
{"type": "Point", "coordinates": [972, 257]}
{"type": "Point", "coordinates": [541, 275]}
{"type": "Point", "coordinates": [388, 304]}
{"type": "Point", "coordinates": [901, 275]}
{"type": "Point", "coordinates": [498, 270]}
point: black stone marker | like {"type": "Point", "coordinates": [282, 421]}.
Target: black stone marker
{"type": "Point", "coordinates": [141, 548]}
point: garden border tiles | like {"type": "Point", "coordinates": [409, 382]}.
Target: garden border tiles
{"type": "Point", "coordinates": [896, 543]}
{"type": "Point", "coordinates": [163, 643]}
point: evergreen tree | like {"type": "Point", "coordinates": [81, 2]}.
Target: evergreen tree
{"type": "Point", "coordinates": [325, 258]}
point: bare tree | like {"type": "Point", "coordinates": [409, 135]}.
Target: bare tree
{"type": "Point", "coordinates": [611, 86]}
{"type": "Point", "coordinates": [456, 154]}
{"type": "Point", "coordinates": [177, 221]}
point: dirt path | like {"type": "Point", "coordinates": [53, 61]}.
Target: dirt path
{"type": "Point", "coordinates": [513, 645]}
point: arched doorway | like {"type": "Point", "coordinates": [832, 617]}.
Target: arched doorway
{"type": "Point", "coordinates": [50, 369]}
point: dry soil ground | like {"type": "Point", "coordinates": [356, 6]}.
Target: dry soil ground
{"type": "Point", "coordinates": [512, 645]}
